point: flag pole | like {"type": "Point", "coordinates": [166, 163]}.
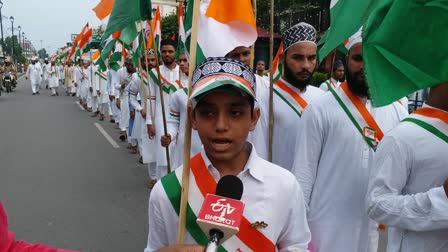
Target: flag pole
{"type": "Point", "coordinates": [187, 138]}
{"type": "Point", "coordinates": [91, 71]}
{"type": "Point", "coordinates": [159, 82]}
{"type": "Point", "coordinates": [140, 69]}
{"type": "Point", "coordinates": [252, 48]}
{"type": "Point", "coordinates": [271, 80]}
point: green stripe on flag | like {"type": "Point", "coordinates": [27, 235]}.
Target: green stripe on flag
{"type": "Point", "coordinates": [429, 128]}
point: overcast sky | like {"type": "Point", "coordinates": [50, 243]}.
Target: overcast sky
{"type": "Point", "coordinates": [51, 21]}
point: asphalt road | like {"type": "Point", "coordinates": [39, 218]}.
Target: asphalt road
{"type": "Point", "coordinates": [61, 181]}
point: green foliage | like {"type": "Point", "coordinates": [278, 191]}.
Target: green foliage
{"type": "Point", "coordinates": [42, 53]}
{"type": "Point", "coordinates": [318, 78]}
{"type": "Point", "coordinates": [17, 49]}
{"type": "Point", "coordinates": [170, 26]}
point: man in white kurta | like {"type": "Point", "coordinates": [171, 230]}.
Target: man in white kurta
{"type": "Point", "coordinates": [170, 74]}
{"type": "Point", "coordinates": [408, 186]}
{"type": "Point", "coordinates": [113, 95]}
{"type": "Point", "coordinates": [53, 78]}
{"type": "Point", "coordinates": [333, 158]}
{"type": "Point", "coordinates": [292, 93]}
{"type": "Point", "coordinates": [69, 81]}
{"type": "Point", "coordinates": [77, 72]}
{"type": "Point", "coordinates": [337, 74]}
{"type": "Point", "coordinates": [85, 82]}
{"type": "Point", "coordinates": [177, 118]}
{"type": "Point", "coordinates": [101, 91]}
{"type": "Point", "coordinates": [92, 96]}
{"type": "Point", "coordinates": [34, 74]}
{"type": "Point", "coordinates": [45, 66]}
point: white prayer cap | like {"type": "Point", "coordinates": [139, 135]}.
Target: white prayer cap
{"type": "Point", "coordinates": [46, 59]}
{"type": "Point", "coordinates": [354, 39]}
{"type": "Point", "coordinates": [85, 57]}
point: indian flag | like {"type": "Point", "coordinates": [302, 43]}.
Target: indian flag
{"type": "Point", "coordinates": [103, 9]}
{"type": "Point", "coordinates": [84, 44]}
{"type": "Point", "coordinates": [156, 33]}
{"type": "Point", "coordinates": [64, 52]}
{"type": "Point", "coordinates": [125, 17]}
{"type": "Point", "coordinates": [117, 57]}
{"type": "Point", "coordinates": [223, 25]}
{"type": "Point", "coordinates": [137, 45]}
{"type": "Point", "coordinates": [277, 65]}
{"type": "Point", "coordinates": [77, 40]}
{"type": "Point", "coordinates": [109, 45]}
{"type": "Point", "coordinates": [346, 18]}
{"type": "Point", "coordinates": [98, 61]}
{"type": "Point", "coordinates": [182, 35]}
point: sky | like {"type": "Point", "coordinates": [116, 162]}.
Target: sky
{"type": "Point", "coordinates": [49, 21]}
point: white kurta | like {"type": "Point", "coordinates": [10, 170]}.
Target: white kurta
{"type": "Point", "coordinates": [176, 127]}
{"type": "Point", "coordinates": [102, 88]}
{"type": "Point", "coordinates": [332, 164]}
{"type": "Point", "coordinates": [124, 76]}
{"type": "Point", "coordinates": [271, 194]}
{"type": "Point", "coordinates": [406, 189]}
{"type": "Point", "coordinates": [171, 76]}
{"type": "Point", "coordinates": [286, 125]}
{"type": "Point", "coordinates": [93, 80]}
{"type": "Point", "coordinates": [33, 73]}
{"type": "Point", "coordinates": [69, 77]}
{"type": "Point", "coordinates": [324, 85]}
{"type": "Point", "coordinates": [84, 84]}
{"type": "Point", "coordinates": [77, 72]}
{"type": "Point", "coordinates": [53, 79]}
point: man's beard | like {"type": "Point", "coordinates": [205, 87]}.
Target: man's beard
{"type": "Point", "coordinates": [168, 61]}
{"type": "Point", "coordinates": [357, 86]}
{"type": "Point", "coordinates": [292, 78]}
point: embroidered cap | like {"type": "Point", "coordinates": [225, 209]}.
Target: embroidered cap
{"type": "Point", "coordinates": [217, 72]}
{"type": "Point", "coordinates": [301, 32]}
{"type": "Point", "coordinates": [354, 39]}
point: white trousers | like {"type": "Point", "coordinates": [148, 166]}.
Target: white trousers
{"type": "Point", "coordinates": [54, 90]}
{"type": "Point", "coordinates": [35, 87]}
{"type": "Point", "coordinates": [103, 108]}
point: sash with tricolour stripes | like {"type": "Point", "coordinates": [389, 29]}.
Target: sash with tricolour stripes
{"type": "Point", "coordinates": [358, 114]}
{"type": "Point", "coordinates": [330, 84]}
{"type": "Point", "coordinates": [167, 85]}
{"type": "Point", "coordinates": [201, 183]}
{"type": "Point", "coordinates": [432, 120]}
{"type": "Point", "coordinates": [290, 97]}
{"type": "Point", "coordinates": [102, 75]}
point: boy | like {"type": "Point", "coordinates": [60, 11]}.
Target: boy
{"type": "Point", "coordinates": [222, 111]}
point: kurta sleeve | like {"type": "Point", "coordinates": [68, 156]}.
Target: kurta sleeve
{"type": "Point", "coordinates": [308, 147]}
{"type": "Point", "coordinates": [385, 203]}
{"type": "Point", "coordinates": [296, 235]}
{"type": "Point", "coordinates": [173, 121]}
{"type": "Point", "coordinates": [134, 90]}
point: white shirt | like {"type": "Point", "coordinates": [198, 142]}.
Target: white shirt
{"type": "Point", "coordinates": [271, 194]}
{"type": "Point", "coordinates": [332, 164]}
{"type": "Point", "coordinates": [406, 189]}
{"type": "Point", "coordinates": [324, 85]}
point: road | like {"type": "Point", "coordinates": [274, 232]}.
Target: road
{"type": "Point", "coordinates": [61, 180]}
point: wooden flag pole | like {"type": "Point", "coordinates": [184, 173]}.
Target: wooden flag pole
{"type": "Point", "coordinates": [271, 81]}
{"type": "Point", "coordinates": [187, 140]}
{"type": "Point", "coordinates": [252, 48]}
{"type": "Point", "coordinates": [159, 82]}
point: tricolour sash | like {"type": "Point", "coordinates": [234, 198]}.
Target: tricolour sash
{"type": "Point", "coordinates": [102, 75]}
{"type": "Point", "coordinates": [358, 114]}
{"type": "Point", "coordinates": [201, 183]}
{"type": "Point", "coordinates": [330, 84]}
{"type": "Point", "coordinates": [167, 85]}
{"type": "Point", "coordinates": [432, 120]}
{"type": "Point", "coordinates": [290, 97]}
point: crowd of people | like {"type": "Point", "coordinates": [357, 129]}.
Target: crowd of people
{"type": "Point", "coordinates": [340, 166]}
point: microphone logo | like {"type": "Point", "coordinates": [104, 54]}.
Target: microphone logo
{"type": "Point", "coordinates": [221, 206]}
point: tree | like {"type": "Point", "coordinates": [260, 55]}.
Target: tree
{"type": "Point", "coordinates": [170, 26]}
{"type": "Point", "coordinates": [289, 12]}
{"type": "Point", "coordinates": [42, 53]}
{"type": "Point", "coordinates": [17, 49]}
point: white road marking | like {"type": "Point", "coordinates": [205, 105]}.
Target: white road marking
{"type": "Point", "coordinates": [81, 107]}
{"type": "Point", "coordinates": [107, 136]}
{"type": "Point", "coordinates": [21, 77]}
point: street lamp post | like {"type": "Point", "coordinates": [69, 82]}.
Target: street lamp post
{"type": "Point", "coordinates": [1, 23]}
{"type": "Point", "coordinates": [19, 28]}
{"type": "Point", "coordinates": [12, 36]}
{"type": "Point", "coordinates": [23, 45]}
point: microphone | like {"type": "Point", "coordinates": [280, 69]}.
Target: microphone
{"type": "Point", "coordinates": [221, 213]}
